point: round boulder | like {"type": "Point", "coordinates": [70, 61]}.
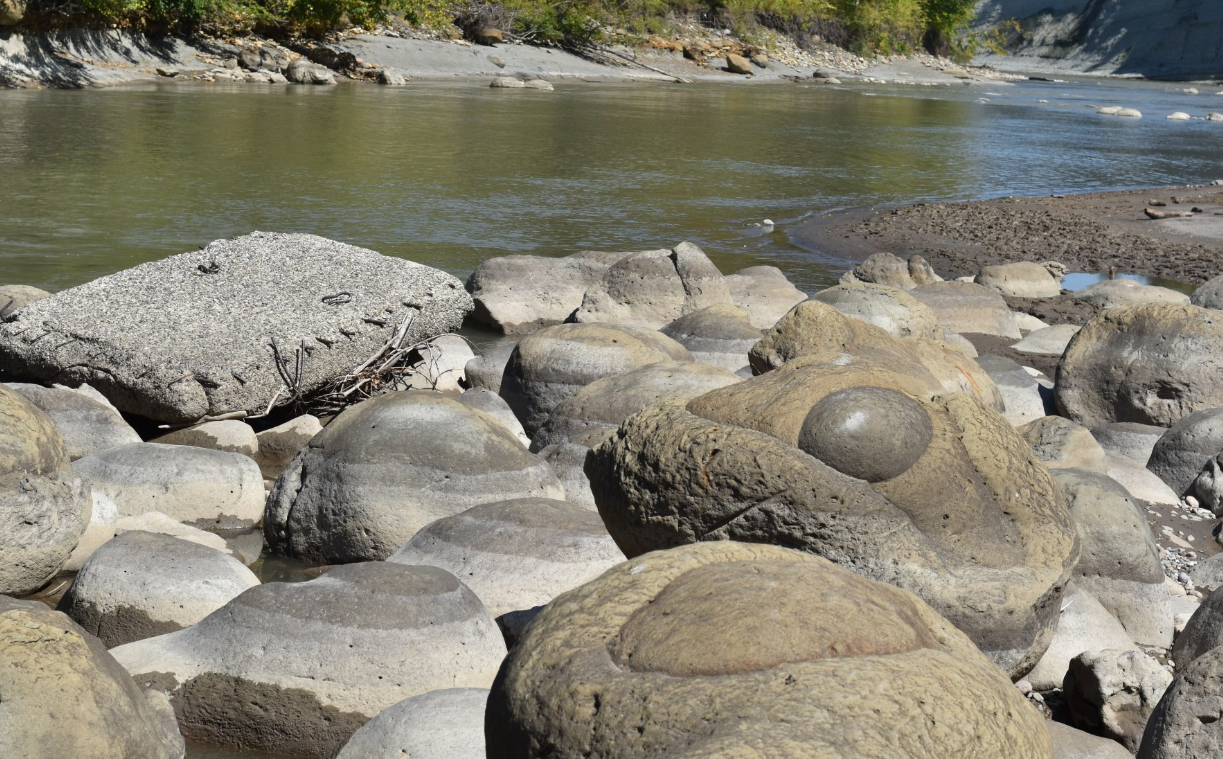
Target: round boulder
{"type": "Point", "coordinates": [233, 435]}
{"type": "Point", "coordinates": [296, 668]}
{"type": "Point", "coordinates": [968, 308]}
{"type": "Point", "coordinates": [13, 297]}
{"type": "Point", "coordinates": [1021, 279]}
{"type": "Point", "coordinates": [440, 724]}
{"type": "Point", "coordinates": [44, 505]}
{"type": "Point", "coordinates": [719, 335]}
{"type": "Point", "coordinates": [554, 363]}
{"type": "Point", "coordinates": [278, 445]}
{"type": "Point", "coordinates": [65, 696]}
{"type": "Point", "coordinates": [1121, 292]}
{"type": "Point", "coordinates": [194, 485]}
{"type": "Point", "coordinates": [486, 369]}
{"type": "Point", "coordinates": [88, 424]}
{"type": "Point", "coordinates": [1204, 630]}
{"type": "Point", "coordinates": [888, 269]}
{"type": "Point", "coordinates": [889, 308]}
{"type": "Point", "coordinates": [1061, 443]}
{"type": "Point", "coordinates": [786, 649]}
{"type": "Point", "coordinates": [1179, 456]}
{"type": "Point", "coordinates": [1185, 724]}
{"type": "Point", "coordinates": [1135, 441]}
{"type": "Point", "coordinates": [483, 399]}
{"type": "Point", "coordinates": [1208, 295]}
{"type": "Point", "coordinates": [955, 508]}
{"type": "Point", "coordinates": [765, 293]}
{"type": "Point", "coordinates": [516, 555]}
{"type": "Point", "coordinates": [386, 467]}
{"type": "Point", "coordinates": [1150, 363]}
{"type": "Point", "coordinates": [142, 584]}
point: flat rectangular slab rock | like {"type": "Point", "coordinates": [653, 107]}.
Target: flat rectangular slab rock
{"type": "Point", "coordinates": [191, 335]}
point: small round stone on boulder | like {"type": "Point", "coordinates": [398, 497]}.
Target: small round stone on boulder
{"type": "Point", "coordinates": [871, 433]}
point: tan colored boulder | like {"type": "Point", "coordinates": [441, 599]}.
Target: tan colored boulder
{"type": "Point", "coordinates": [887, 269]}
{"type": "Point", "coordinates": [1150, 363]}
{"type": "Point", "coordinates": [737, 64]}
{"type": "Point", "coordinates": [278, 445]}
{"type": "Point", "coordinates": [891, 309]}
{"type": "Point", "coordinates": [85, 419]}
{"type": "Point", "coordinates": [1112, 693]}
{"type": "Point", "coordinates": [232, 435]}
{"type": "Point", "coordinates": [864, 463]}
{"type": "Point", "coordinates": [44, 505]}
{"type": "Point", "coordinates": [1061, 443]}
{"type": "Point", "coordinates": [765, 293]}
{"type": "Point", "coordinates": [1021, 279]}
{"type": "Point", "coordinates": [1072, 743]}
{"type": "Point", "coordinates": [554, 363]}
{"type": "Point", "coordinates": [1120, 292]}
{"type": "Point", "coordinates": [65, 696]}
{"type": "Point", "coordinates": [796, 657]}
{"type": "Point", "coordinates": [969, 308]}
{"type": "Point", "coordinates": [13, 297]}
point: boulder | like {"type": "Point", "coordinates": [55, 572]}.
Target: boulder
{"type": "Point", "coordinates": [1138, 481]}
{"type": "Point", "coordinates": [155, 521]}
{"type": "Point", "coordinates": [1083, 625]}
{"type": "Point", "coordinates": [1185, 724]}
{"type": "Point", "coordinates": [1021, 394]}
{"type": "Point", "coordinates": [1135, 441]}
{"type": "Point", "coordinates": [1111, 293]}
{"type": "Point", "coordinates": [797, 658]}
{"type": "Point", "coordinates": [764, 292]}
{"type": "Point", "coordinates": [278, 445]}
{"type": "Point", "coordinates": [887, 269]}
{"type": "Point", "coordinates": [296, 668]}
{"type": "Point", "coordinates": [87, 424]}
{"type": "Point", "coordinates": [44, 505]}
{"type": "Point", "coordinates": [518, 554]}
{"type": "Point", "coordinates": [568, 460]}
{"type": "Point", "coordinates": [1028, 323]}
{"type": "Point", "coordinates": [193, 485]}
{"type": "Point", "coordinates": [1049, 341]}
{"type": "Point", "coordinates": [554, 363]}
{"type": "Point", "coordinates": [304, 71]}
{"type": "Point", "coordinates": [440, 364]}
{"type": "Point", "coordinates": [390, 78]}
{"type": "Point", "coordinates": [483, 399]}
{"type": "Point", "coordinates": [1061, 443]}
{"type": "Point", "coordinates": [486, 369]}
{"type": "Point", "coordinates": [1112, 693]}
{"type": "Point", "coordinates": [1208, 295]}
{"type": "Point", "coordinates": [231, 435]}
{"type": "Point", "coordinates": [891, 309]}
{"type": "Point", "coordinates": [1208, 574]}
{"type": "Point", "coordinates": [142, 584]}
{"type": "Point", "coordinates": [1120, 561]}
{"type": "Point", "coordinates": [737, 64]}
{"type": "Point", "coordinates": [192, 335]}
{"type": "Point", "coordinates": [386, 467]}
{"type": "Point", "coordinates": [488, 35]}
{"type": "Point", "coordinates": [968, 308]}
{"type": "Point", "coordinates": [604, 404]}
{"type": "Point", "coordinates": [959, 342]}
{"type": "Point", "coordinates": [818, 332]}
{"type": "Point", "coordinates": [508, 83]}
{"type": "Point", "coordinates": [1071, 743]}
{"type": "Point", "coordinates": [1021, 279]}
{"type": "Point", "coordinates": [1183, 451]}
{"type": "Point", "coordinates": [65, 696]}
{"type": "Point", "coordinates": [1205, 628]}
{"type": "Point", "coordinates": [1208, 485]}
{"type": "Point", "coordinates": [13, 297]}
{"type": "Point", "coordinates": [440, 724]}
{"type": "Point", "coordinates": [652, 288]}
{"type": "Point", "coordinates": [719, 335]}
{"type": "Point", "coordinates": [1150, 363]}
{"type": "Point", "coordinates": [100, 529]}
{"type": "Point", "coordinates": [861, 462]}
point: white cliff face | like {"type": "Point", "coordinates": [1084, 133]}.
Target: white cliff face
{"type": "Point", "coordinates": [1158, 39]}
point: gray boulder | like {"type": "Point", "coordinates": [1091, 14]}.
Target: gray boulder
{"type": "Point", "coordinates": [1185, 724]}
{"type": "Point", "coordinates": [1047, 341]}
{"type": "Point", "coordinates": [1139, 481]}
{"type": "Point", "coordinates": [968, 308]}
{"type": "Point", "coordinates": [440, 364]}
{"type": "Point", "coordinates": [65, 696]}
{"type": "Point", "coordinates": [87, 424]}
{"type": "Point", "coordinates": [1112, 693]}
{"type": "Point", "coordinates": [554, 363]}
{"type": "Point", "coordinates": [304, 71]}
{"type": "Point", "coordinates": [193, 485]}
{"type": "Point", "coordinates": [232, 435]}
{"type": "Point", "coordinates": [278, 445]}
{"type": "Point", "coordinates": [440, 724]}
{"type": "Point", "coordinates": [1022, 279]}
{"type": "Point", "coordinates": [1071, 743]}
{"type": "Point", "coordinates": [1021, 393]}
{"type": "Point", "coordinates": [652, 288]}
{"type": "Point", "coordinates": [1121, 292]}
{"type": "Point", "coordinates": [1082, 625]}
{"type": "Point", "coordinates": [719, 335]}
{"type": "Point", "coordinates": [1208, 574]}
{"type": "Point", "coordinates": [1180, 455]}
{"type": "Point", "coordinates": [386, 467]}
{"type": "Point", "coordinates": [192, 335]}
{"type": "Point", "coordinates": [1208, 295]}
{"type": "Point", "coordinates": [568, 460]}
{"type": "Point", "coordinates": [520, 294]}
{"type": "Point", "coordinates": [765, 293]}
{"type": "Point", "coordinates": [142, 584]}
{"type": "Point", "coordinates": [1204, 630]}
{"type": "Point", "coordinates": [14, 297]}
{"type": "Point", "coordinates": [887, 269]}
{"type": "Point", "coordinates": [1149, 363]}
{"type": "Point", "coordinates": [486, 369]}
{"type": "Point", "coordinates": [1120, 561]}
{"type": "Point", "coordinates": [297, 667]}
{"type": "Point", "coordinates": [1061, 443]}
{"type": "Point", "coordinates": [516, 555]}
{"type": "Point", "coordinates": [1135, 441]}
{"type": "Point", "coordinates": [891, 309]}
{"type": "Point", "coordinates": [483, 399]}
{"type": "Point", "coordinates": [44, 505]}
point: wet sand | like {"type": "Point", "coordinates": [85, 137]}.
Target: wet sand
{"type": "Point", "coordinates": [1090, 233]}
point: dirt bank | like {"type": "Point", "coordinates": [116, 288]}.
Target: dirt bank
{"type": "Point", "coordinates": [1092, 233]}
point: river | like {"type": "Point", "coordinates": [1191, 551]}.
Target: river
{"type": "Point", "coordinates": [451, 174]}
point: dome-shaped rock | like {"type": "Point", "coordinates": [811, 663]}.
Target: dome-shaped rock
{"type": "Point", "coordinates": [889, 308]}
{"type": "Point", "coordinates": [440, 724]}
{"type": "Point", "coordinates": [719, 335]}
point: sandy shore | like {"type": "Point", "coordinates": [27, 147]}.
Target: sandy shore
{"type": "Point", "coordinates": [1091, 233]}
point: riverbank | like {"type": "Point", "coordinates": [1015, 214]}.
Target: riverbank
{"type": "Point", "coordinates": [1098, 232]}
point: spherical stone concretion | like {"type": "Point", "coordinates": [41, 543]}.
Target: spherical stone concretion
{"type": "Point", "coordinates": [871, 433]}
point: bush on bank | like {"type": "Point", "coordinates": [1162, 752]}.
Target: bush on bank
{"type": "Point", "coordinates": [866, 26]}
